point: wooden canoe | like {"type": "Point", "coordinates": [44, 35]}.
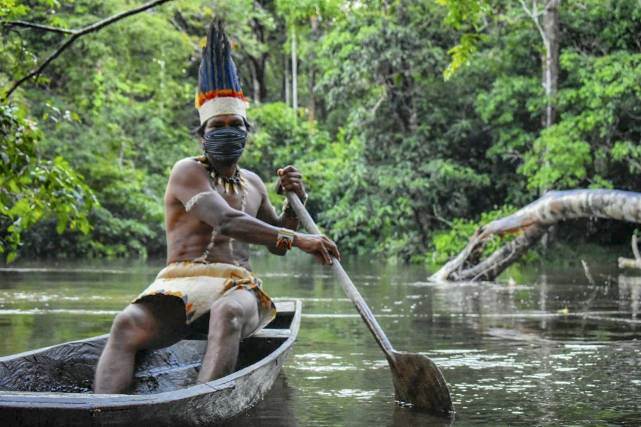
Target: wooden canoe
{"type": "Point", "coordinates": [52, 386]}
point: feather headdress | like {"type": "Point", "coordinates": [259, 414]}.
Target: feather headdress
{"type": "Point", "coordinates": [219, 90]}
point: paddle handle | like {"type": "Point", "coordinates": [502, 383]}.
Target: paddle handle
{"type": "Point", "coordinates": [349, 288]}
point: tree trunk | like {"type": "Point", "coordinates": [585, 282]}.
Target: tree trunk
{"type": "Point", "coordinates": [532, 222]}
{"type": "Point", "coordinates": [551, 30]}
{"type": "Point", "coordinates": [258, 78]}
{"type": "Point", "coordinates": [255, 84]}
{"type": "Point", "coordinates": [258, 63]}
{"type": "Point", "coordinates": [294, 72]}
{"type": "Point", "coordinates": [286, 95]}
{"type": "Point", "coordinates": [311, 78]}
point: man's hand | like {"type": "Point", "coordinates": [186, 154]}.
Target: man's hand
{"type": "Point", "coordinates": [290, 180]}
{"type": "Point", "coordinates": [318, 245]}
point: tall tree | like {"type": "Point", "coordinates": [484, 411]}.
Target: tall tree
{"type": "Point", "coordinates": [545, 15]}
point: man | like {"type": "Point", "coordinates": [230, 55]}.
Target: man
{"type": "Point", "coordinates": [213, 210]}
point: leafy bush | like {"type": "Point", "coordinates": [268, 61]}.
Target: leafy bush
{"type": "Point", "coordinates": [33, 189]}
{"type": "Point", "coordinates": [448, 243]}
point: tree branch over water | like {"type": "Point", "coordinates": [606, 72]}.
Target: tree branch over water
{"type": "Point", "coordinates": [75, 35]}
{"type": "Point", "coordinates": [38, 27]}
{"type": "Point", "coordinates": [531, 222]}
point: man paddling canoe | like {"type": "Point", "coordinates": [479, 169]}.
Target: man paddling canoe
{"type": "Point", "coordinates": [213, 209]}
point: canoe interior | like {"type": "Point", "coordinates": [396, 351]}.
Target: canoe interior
{"type": "Point", "coordinates": [70, 367]}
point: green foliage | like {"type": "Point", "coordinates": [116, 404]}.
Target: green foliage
{"type": "Point", "coordinates": [461, 13]}
{"type": "Point", "coordinates": [282, 137]}
{"type": "Point", "coordinates": [461, 53]}
{"type": "Point", "coordinates": [32, 188]}
{"type": "Point", "coordinates": [297, 11]}
{"type": "Point", "coordinates": [115, 110]}
{"type": "Point", "coordinates": [468, 16]}
{"type": "Point", "coordinates": [383, 84]}
{"type": "Point", "coordinates": [397, 161]}
{"type": "Point", "coordinates": [448, 243]}
{"type": "Point", "coordinates": [590, 145]}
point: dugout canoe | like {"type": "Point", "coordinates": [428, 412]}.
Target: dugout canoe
{"type": "Point", "coordinates": [52, 386]}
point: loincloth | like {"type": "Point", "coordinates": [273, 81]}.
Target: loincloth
{"type": "Point", "coordinates": [198, 285]}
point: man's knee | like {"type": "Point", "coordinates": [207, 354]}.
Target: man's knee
{"type": "Point", "coordinates": [228, 315]}
{"type": "Point", "coordinates": [131, 329]}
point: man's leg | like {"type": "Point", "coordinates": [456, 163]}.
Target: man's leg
{"type": "Point", "coordinates": [232, 317]}
{"type": "Point", "coordinates": [149, 324]}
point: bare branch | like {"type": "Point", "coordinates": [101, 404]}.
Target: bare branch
{"type": "Point", "coordinates": [37, 26]}
{"type": "Point", "coordinates": [588, 275]}
{"type": "Point", "coordinates": [592, 282]}
{"type": "Point", "coordinates": [76, 35]}
{"type": "Point", "coordinates": [534, 14]}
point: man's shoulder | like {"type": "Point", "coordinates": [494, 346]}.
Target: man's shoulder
{"type": "Point", "coordinates": [251, 176]}
{"type": "Point", "coordinates": [187, 164]}
{"type": "Point", "coordinates": [254, 179]}
{"type": "Point", "coordinates": [187, 171]}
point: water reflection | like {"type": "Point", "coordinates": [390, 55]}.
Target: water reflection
{"type": "Point", "coordinates": [276, 409]}
{"type": "Point", "coordinates": [630, 295]}
{"type": "Point", "coordinates": [543, 348]}
{"type": "Point", "coordinates": [403, 417]}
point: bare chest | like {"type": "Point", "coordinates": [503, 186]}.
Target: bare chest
{"type": "Point", "coordinates": [241, 195]}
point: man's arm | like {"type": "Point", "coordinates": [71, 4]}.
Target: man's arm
{"type": "Point", "coordinates": [267, 213]}
{"type": "Point", "coordinates": [189, 184]}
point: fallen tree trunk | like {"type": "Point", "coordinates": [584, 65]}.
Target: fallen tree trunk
{"type": "Point", "coordinates": [532, 222]}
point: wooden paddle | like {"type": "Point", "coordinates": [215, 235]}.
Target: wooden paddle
{"type": "Point", "coordinates": [417, 380]}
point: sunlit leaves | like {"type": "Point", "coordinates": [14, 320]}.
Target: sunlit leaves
{"type": "Point", "coordinates": [469, 16]}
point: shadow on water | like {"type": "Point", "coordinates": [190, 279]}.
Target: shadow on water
{"type": "Point", "coordinates": [276, 408]}
{"type": "Point", "coordinates": [403, 417]}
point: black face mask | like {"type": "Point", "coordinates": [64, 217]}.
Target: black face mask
{"type": "Point", "coordinates": [225, 144]}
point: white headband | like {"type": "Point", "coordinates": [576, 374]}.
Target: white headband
{"type": "Point", "coordinates": [222, 105]}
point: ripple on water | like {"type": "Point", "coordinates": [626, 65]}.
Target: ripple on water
{"type": "Point", "coordinates": [310, 299]}
{"type": "Point", "coordinates": [321, 362]}
{"type": "Point", "coordinates": [333, 367]}
{"type": "Point", "coordinates": [39, 311]}
{"type": "Point", "coordinates": [316, 356]}
{"type": "Point", "coordinates": [350, 393]}
{"type": "Point", "coordinates": [584, 347]}
{"type": "Point", "coordinates": [8, 297]}
{"type": "Point", "coordinates": [479, 360]}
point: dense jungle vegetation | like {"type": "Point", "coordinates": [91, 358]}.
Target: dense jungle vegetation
{"type": "Point", "coordinates": [411, 120]}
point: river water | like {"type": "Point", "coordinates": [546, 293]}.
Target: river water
{"type": "Point", "coordinates": [544, 346]}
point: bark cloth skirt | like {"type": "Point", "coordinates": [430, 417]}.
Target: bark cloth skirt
{"type": "Point", "coordinates": [198, 285]}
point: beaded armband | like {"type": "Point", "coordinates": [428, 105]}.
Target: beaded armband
{"type": "Point", "coordinates": [285, 238]}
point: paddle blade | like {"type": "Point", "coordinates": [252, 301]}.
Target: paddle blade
{"type": "Point", "coordinates": [419, 382]}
